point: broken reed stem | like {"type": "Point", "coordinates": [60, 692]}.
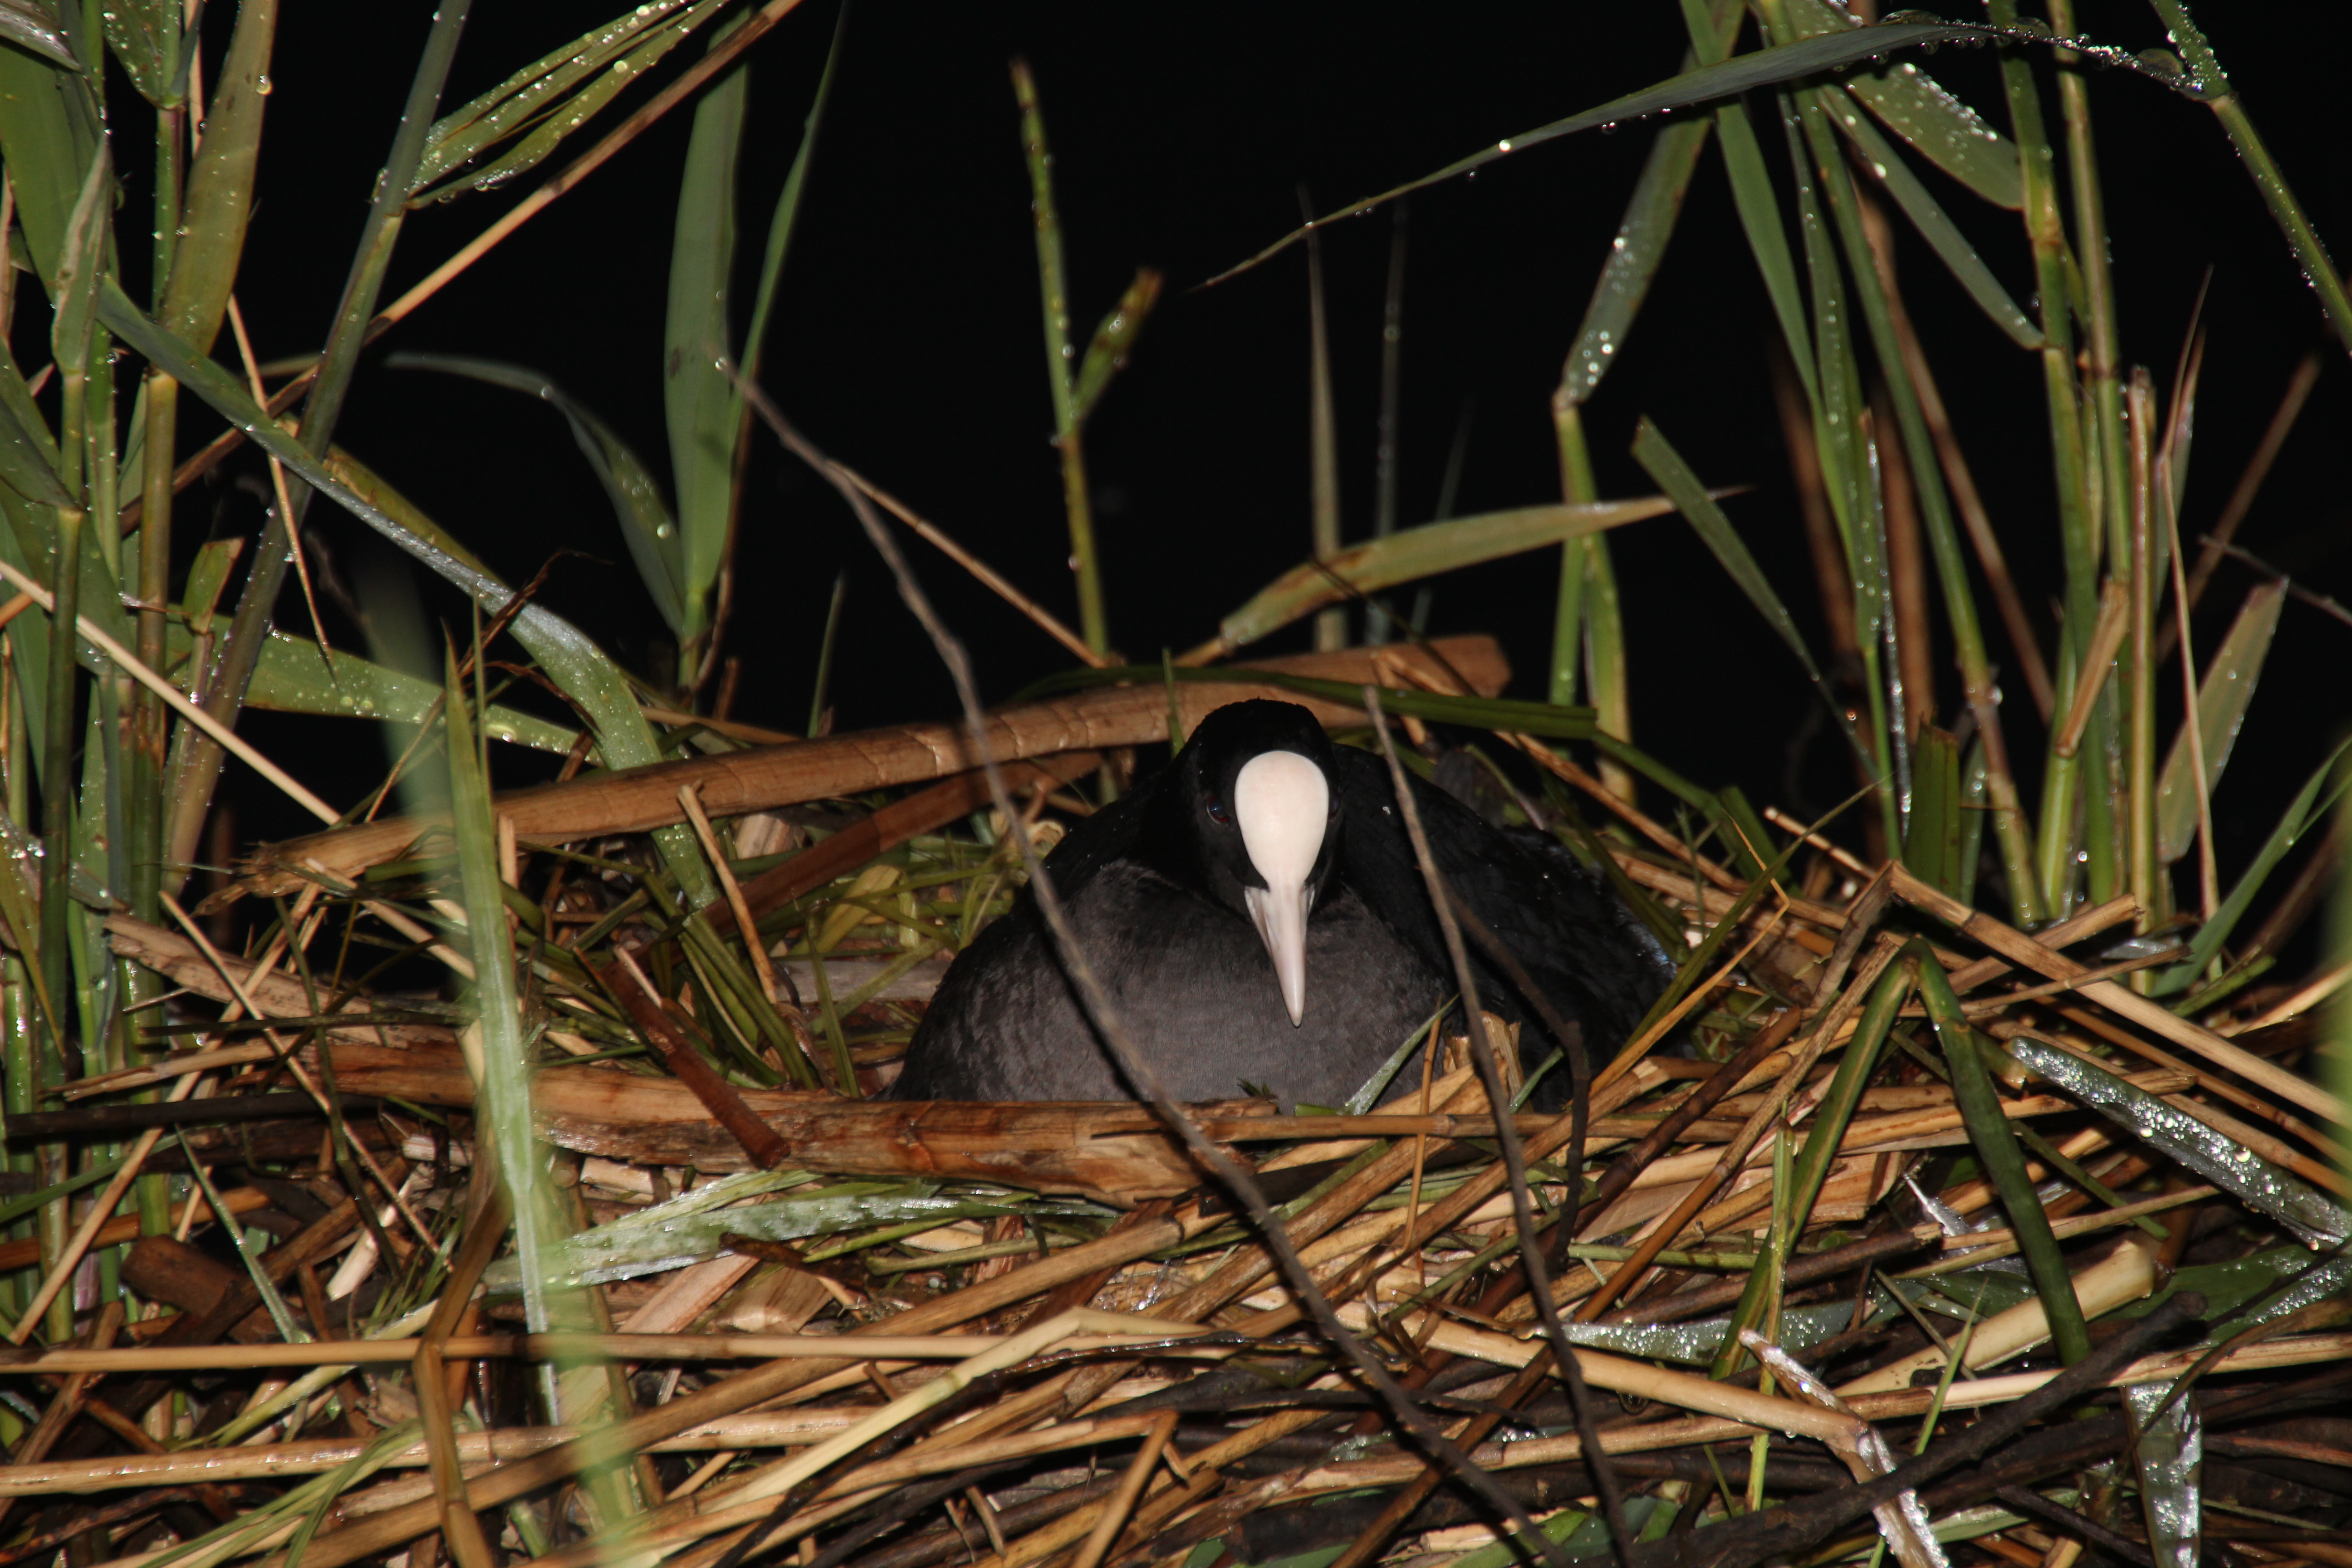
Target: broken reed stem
{"type": "Point", "coordinates": [1130, 1485]}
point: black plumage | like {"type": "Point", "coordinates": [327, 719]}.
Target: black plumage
{"type": "Point", "coordinates": [1165, 893]}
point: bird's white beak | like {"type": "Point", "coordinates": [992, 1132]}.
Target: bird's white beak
{"type": "Point", "coordinates": [1281, 803]}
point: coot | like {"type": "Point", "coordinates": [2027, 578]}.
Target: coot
{"type": "Point", "coordinates": [1256, 914]}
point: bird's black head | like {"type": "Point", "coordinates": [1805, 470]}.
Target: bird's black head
{"type": "Point", "coordinates": [1250, 818]}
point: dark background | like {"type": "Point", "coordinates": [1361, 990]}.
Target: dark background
{"type": "Point", "coordinates": [908, 342]}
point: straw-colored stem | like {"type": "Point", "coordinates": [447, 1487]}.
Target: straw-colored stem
{"type": "Point", "coordinates": [2192, 725]}
{"type": "Point", "coordinates": [1099, 1540]}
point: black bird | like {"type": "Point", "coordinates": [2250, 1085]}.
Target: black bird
{"type": "Point", "coordinates": [1257, 915]}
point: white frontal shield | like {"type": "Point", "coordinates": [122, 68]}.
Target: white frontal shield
{"type": "Point", "coordinates": [1281, 803]}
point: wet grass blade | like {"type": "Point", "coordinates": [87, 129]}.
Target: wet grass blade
{"type": "Point", "coordinates": [1410, 554]}
{"type": "Point", "coordinates": [503, 1042]}
{"type": "Point", "coordinates": [293, 678]}
{"type": "Point", "coordinates": [1728, 78]}
{"type": "Point", "coordinates": [1931, 844]}
{"type": "Point", "coordinates": [655, 540]}
{"type": "Point", "coordinates": [533, 103]}
{"type": "Point", "coordinates": [219, 198]}
{"type": "Point", "coordinates": [2314, 1218]}
{"type": "Point", "coordinates": [1996, 1145]}
{"type": "Point", "coordinates": [2221, 701]}
{"type": "Point", "coordinates": [1921, 111]}
{"type": "Point", "coordinates": [1666, 467]}
{"type": "Point", "coordinates": [1935, 226]}
{"type": "Point", "coordinates": [1114, 340]}
{"type": "Point", "coordinates": [1651, 214]}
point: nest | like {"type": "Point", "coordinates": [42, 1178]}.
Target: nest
{"type": "Point", "coordinates": [772, 1317]}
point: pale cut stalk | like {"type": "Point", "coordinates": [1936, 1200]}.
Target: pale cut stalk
{"type": "Point", "coordinates": [2124, 1276]}
{"type": "Point", "coordinates": [137, 670]}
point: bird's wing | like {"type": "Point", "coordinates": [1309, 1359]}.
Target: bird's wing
{"type": "Point", "coordinates": [1578, 943]}
{"type": "Point", "coordinates": [1098, 839]}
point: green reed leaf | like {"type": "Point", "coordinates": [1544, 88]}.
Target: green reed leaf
{"type": "Point", "coordinates": [293, 677]}
{"type": "Point", "coordinates": [1412, 553]}
{"type": "Point", "coordinates": [1995, 1142]}
{"type": "Point", "coordinates": [645, 517]}
{"type": "Point", "coordinates": [2221, 701]}
{"type": "Point", "coordinates": [145, 37]}
{"type": "Point", "coordinates": [704, 410]}
{"type": "Point", "coordinates": [1918, 109]}
{"type": "Point", "coordinates": [219, 198]}
{"type": "Point", "coordinates": [1935, 226]}
{"type": "Point", "coordinates": [33, 24]}
{"type": "Point", "coordinates": [1728, 78]}
{"type": "Point", "coordinates": [504, 1043]}
{"type": "Point", "coordinates": [48, 135]}
{"type": "Point", "coordinates": [1113, 340]}
{"type": "Point", "coordinates": [2306, 811]}
{"type": "Point", "coordinates": [1931, 840]}
{"type": "Point", "coordinates": [532, 102]}
{"type": "Point", "coordinates": [1651, 214]}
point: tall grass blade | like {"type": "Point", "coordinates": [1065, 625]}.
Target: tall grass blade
{"type": "Point", "coordinates": [293, 678]}
{"type": "Point", "coordinates": [2208, 82]}
{"type": "Point", "coordinates": [505, 1046]}
{"type": "Point", "coordinates": [145, 37]}
{"type": "Point", "coordinates": [1728, 78]}
{"type": "Point", "coordinates": [1061, 360]}
{"type": "Point", "coordinates": [2169, 1450]}
{"type": "Point", "coordinates": [1113, 340]}
{"type": "Point", "coordinates": [1935, 226]}
{"type": "Point", "coordinates": [1671, 475]}
{"type": "Point", "coordinates": [2222, 697]}
{"type": "Point", "coordinates": [704, 412]}
{"type": "Point", "coordinates": [219, 199]}
{"type": "Point", "coordinates": [196, 761]}
{"type": "Point", "coordinates": [1322, 445]}
{"type": "Point", "coordinates": [2306, 811]}
{"type": "Point", "coordinates": [1871, 1029]}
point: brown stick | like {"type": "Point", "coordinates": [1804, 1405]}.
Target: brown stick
{"type": "Point", "coordinates": [631, 800]}
{"type": "Point", "coordinates": [629, 986]}
{"type": "Point", "coordinates": [2258, 468]}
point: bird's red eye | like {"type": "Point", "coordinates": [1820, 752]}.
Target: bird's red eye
{"type": "Point", "coordinates": [1219, 815]}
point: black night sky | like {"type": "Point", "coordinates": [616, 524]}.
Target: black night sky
{"type": "Point", "coordinates": [908, 341]}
